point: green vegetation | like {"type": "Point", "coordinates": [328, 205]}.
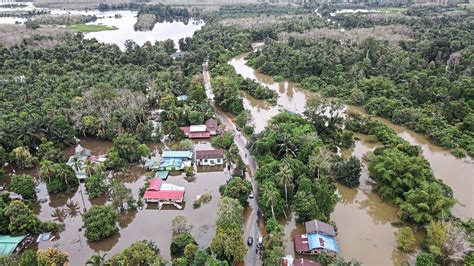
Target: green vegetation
{"type": "Point", "coordinates": [237, 188]}
{"type": "Point", "coordinates": [18, 219]}
{"type": "Point", "coordinates": [401, 81]}
{"type": "Point", "coordinates": [24, 185]}
{"type": "Point", "coordinates": [348, 171]}
{"type": "Point", "coordinates": [100, 222]}
{"type": "Point", "coordinates": [273, 248]}
{"type": "Point", "coordinates": [96, 185]}
{"type": "Point", "coordinates": [139, 253]}
{"type": "Point", "coordinates": [228, 243]}
{"type": "Point", "coordinates": [91, 27]}
{"type": "Point", "coordinates": [405, 239]}
{"type": "Point", "coordinates": [59, 177]}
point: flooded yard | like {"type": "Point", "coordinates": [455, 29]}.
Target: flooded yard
{"type": "Point", "coordinates": [147, 224]}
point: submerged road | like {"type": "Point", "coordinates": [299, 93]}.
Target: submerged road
{"type": "Point", "coordinates": [251, 220]}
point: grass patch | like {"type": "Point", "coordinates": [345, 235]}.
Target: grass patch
{"type": "Point", "coordinates": [91, 27]}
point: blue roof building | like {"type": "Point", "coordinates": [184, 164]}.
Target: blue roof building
{"type": "Point", "coordinates": [320, 241]}
{"type": "Point", "coordinates": [9, 244]}
{"type": "Point", "coordinates": [185, 155]}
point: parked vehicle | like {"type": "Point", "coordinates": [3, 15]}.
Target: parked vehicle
{"type": "Point", "coordinates": [250, 241]}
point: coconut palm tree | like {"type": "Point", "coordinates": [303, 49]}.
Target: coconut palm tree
{"type": "Point", "coordinates": [63, 173]}
{"type": "Point", "coordinates": [319, 160]}
{"type": "Point", "coordinates": [270, 194]}
{"type": "Point", "coordinates": [286, 177]}
{"type": "Point", "coordinates": [46, 170]}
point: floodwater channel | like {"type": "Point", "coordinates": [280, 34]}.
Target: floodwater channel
{"type": "Point", "coordinates": [362, 218]}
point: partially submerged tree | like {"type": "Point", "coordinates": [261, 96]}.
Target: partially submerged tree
{"type": "Point", "coordinates": [100, 222]}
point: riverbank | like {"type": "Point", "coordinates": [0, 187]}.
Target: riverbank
{"type": "Point", "coordinates": [361, 216]}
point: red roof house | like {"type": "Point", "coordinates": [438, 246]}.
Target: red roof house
{"type": "Point", "coordinates": [196, 134]}
{"type": "Point", "coordinates": [158, 191]}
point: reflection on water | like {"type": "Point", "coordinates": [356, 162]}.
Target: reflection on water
{"type": "Point", "coordinates": [363, 219]}
{"type": "Point", "coordinates": [162, 31]}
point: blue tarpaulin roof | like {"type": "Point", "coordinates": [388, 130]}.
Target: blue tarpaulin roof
{"type": "Point", "coordinates": [176, 162]}
{"type": "Point", "coordinates": [162, 174]}
{"type": "Point", "coordinates": [9, 243]}
{"type": "Point", "coordinates": [177, 154]}
{"type": "Point", "coordinates": [316, 241]}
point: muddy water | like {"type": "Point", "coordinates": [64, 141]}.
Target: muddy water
{"type": "Point", "coordinates": [456, 173]}
{"type": "Point", "coordinates": [146, 224]}
{"type": "Point", "coordinates": [362, 218]}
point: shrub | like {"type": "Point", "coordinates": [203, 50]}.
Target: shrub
{"type": "Point", "coordinates": [100, 222]}
{"type": "Point", "coordinates": [24, 185]}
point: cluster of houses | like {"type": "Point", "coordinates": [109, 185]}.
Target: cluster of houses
{"type": "Point", "coordinates": [165, 193]}
{"type": "Point", "coordinates": [320, 237]}
{"type": "Point", "coordinates": [78, 161]}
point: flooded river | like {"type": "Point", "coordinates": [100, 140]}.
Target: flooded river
{"type": "Point", "coordinates": [363, 219]}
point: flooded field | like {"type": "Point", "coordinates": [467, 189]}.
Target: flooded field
{"type": "Point", "coordinates": [149, 223]}
{"type": "Point", "coordinates": [123, 20]}
{"type": "Point", "coordinates": [362, 218]}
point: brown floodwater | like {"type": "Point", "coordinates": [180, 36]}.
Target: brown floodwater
{"type": "Point", "coordinates": [147, 224]}
{"type": "Point", "coordinates": [362, 218]}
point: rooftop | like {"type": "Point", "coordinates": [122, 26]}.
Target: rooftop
{"type": "Point", "coordinates": [177, 154]}
{"type": "Point", "coordinates": [157, 189]}
{"type": "Point", "coordinates": [320, 241]}
{"type": "Point", "coordinates": [316, 226]}
{"type": "Point", "coordinates": [209, 154]}
{"type": "Point", "coordinates": [8, 244]}
{"type": "Point", "coordinates": [211, 124]}
{"type": "Point", "coordinates": [197, 128]}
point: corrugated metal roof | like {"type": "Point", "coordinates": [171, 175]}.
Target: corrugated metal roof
{"type": "Point", "coordinates": [177, 154]}
{"type": "Point", "coordinates": [316, 241]}
{"type": "Point", "coordinates": [210, 154]}
{"type": "Point", "coordinates": [197, 128]}
{"type": "Point", "coordinates": [316, 226]}
{"type": "Point", "coordinates": [162, 174]}
{"type": "Point", "coordinates": [9, 243]}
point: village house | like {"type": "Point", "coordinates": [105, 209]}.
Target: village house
{"type": "Point", "coordinates": [210, 157]}
{"type": "Point", "coordinates": [319, 237]}
{"type": "Point", "coordinates": [314, 243]}
{"type": "Point", "coordinates": [164, 193]}
{"type": "Point", "coordinates": [175, 160]}
{"type": "Point", "coordinates": [210, 128]}
{"type": "Point", "coordinates": [78, 161]}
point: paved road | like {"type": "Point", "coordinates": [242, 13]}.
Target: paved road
{"type": "Point", "coordinates": [250, 224]}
